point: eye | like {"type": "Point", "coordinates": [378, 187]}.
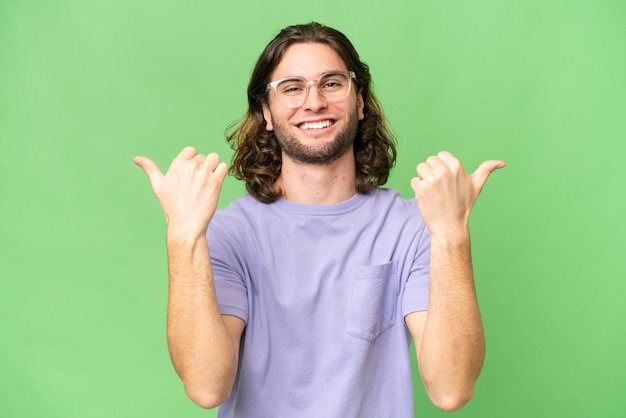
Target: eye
{"type": "Point", "coordinates": [291, 87]}
{"type": "Point", "coordinates": [333, 82]}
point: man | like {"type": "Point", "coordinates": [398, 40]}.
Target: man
{"type": "Point", "coordinates": [301, 298]}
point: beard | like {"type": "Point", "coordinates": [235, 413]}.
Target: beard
{"type": "Point", "coordinates": [318, 154]}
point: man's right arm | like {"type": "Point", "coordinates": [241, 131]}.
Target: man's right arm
{"type": "Point", "coordinates": [203, 344]}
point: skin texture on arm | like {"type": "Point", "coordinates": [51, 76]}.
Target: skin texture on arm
{"type": "Point", "coordinates": [203, 344]}
{"type": "Point", "coordinates": [449, 337]}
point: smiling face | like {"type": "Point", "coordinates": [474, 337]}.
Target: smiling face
{"type": "Point", "coordinates": [318, 132]}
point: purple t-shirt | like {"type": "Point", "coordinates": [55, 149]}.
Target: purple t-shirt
{"type": "Point", "coordinates": [323, 290]}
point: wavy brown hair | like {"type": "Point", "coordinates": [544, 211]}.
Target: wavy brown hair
{"type": "Point", "coordinates": [258, 160]}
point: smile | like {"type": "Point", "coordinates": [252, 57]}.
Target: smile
{"type": "Point", "coordinates": [316, 125]}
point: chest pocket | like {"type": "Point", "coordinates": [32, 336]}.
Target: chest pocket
{"type": "Point", "coordinates": [372, 300]}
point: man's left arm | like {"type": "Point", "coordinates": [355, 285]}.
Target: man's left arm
{"type": "Point", "coordinates": [449, 338]}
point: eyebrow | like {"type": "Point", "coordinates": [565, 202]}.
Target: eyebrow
{"type": "Point", "coordinates": [318, 77]}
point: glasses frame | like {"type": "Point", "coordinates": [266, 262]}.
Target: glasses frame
{"type": "Point", "coordinates": [350, 75]}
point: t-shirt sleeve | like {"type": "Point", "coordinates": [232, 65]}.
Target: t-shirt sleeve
{"type": "Point", "coordinates": [416, 289]}
{"type": "Point", "coordinates": [228, 271]}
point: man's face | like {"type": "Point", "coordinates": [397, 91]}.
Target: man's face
{"type": "Point", "coordinates": [318, 132]}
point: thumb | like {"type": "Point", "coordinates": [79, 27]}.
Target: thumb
{"type": "Point", "coordinates": [479, 177]}
{"type": "Point", "coordinates": [155, 176]}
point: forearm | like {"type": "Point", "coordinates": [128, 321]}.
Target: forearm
{"type": "Point", "coordinates": [452, 349]}
{"type": "Point", "coordinates": [449, 337]}
{"type": "Point", "coordinates": [201, 349]}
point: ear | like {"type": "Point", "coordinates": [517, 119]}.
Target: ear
{"type": "Point", "coordinates": [361, 105]}
{"type": "Point", "coordinates": [267, 115]}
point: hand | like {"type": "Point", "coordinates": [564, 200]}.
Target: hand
{"type": "Point", "coordinates": [445, 193]}
{"type": "Point", "coordinates": [190, 190]}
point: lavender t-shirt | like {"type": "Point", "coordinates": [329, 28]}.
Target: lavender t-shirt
{"type": "Point", "coordinates": [323, 290]}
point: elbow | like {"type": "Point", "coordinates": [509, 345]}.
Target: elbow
{"type": "Point", "coordinates": [451, 400]}
{"type": "Point", "coordinates": [206, 398]}
{"type": "Point", "coordinates": [210, 389]}
{"type": "Point", "coordinates": [451, 403]}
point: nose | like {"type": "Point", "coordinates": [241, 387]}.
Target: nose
{"type": "Point", "coordinates": [314, 101]}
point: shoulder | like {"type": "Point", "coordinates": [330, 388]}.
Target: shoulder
{"type": "Point", "coordinates": [244, 216]}
{"type": "Point", "coordinates": [234, 228]}
{"type": "Point", "coordinates": [242, 206]}
{"type": "Point", "coordinates": [392, 200]}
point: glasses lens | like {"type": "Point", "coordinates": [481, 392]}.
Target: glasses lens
{"type": "Point", "coordinates": [291, 92]}
{"type": "Point", "coordinates": [333, 87]}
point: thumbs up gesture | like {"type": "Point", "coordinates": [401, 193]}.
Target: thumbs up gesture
{"type": "Point", "coordinates": [445, 193]}
{"type": "Point", "coordinates": [189, 191]}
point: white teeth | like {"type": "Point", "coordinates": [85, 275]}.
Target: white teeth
{"type": "Point", "coordinates": [316, 125]}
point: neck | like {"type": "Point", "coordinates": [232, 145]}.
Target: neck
{"type": "Point", "coordinates": [318, 184]}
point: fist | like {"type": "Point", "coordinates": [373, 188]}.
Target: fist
{"type": "Point", "coordinates": [189, 192]}
{"type": "Point", "coordinates": [445, 193]}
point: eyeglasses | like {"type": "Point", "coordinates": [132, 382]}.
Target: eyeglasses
{"type": "Point", "coordinates": [333, 86]}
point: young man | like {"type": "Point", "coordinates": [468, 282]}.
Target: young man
{"type": "Point", "coordinates": [301, 298]}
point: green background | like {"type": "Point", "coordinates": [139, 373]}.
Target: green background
{"type": "Point", "coordinates": [86, 85]}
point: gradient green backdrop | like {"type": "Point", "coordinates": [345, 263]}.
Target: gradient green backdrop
{"type": "Point", "coordinates": [86, 85]}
